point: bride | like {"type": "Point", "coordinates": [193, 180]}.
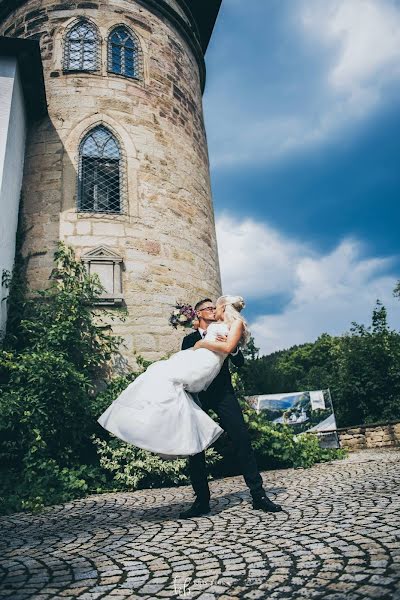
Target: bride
{"type": "Point", "coordinates": [155, 412]}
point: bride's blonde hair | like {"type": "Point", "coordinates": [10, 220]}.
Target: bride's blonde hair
{"type": "Point", "coordinates": [233, 306]}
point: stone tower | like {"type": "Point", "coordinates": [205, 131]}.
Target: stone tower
{"type": "Point", "coordinates": [119, 169]}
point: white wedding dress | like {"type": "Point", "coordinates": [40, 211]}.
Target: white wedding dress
{"type": "Point", "coordinates": [156, 413]}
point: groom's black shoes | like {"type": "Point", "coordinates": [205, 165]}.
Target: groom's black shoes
{"type": "Point", "coordinates": [265, 504]}
{"type": "Point", "coordinates": [196, 510]}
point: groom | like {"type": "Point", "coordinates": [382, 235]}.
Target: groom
{"type": "Point", "coordinates": [220, 397]}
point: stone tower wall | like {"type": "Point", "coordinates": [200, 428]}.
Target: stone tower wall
{"type": "Point", "coordinates": [167, 238]}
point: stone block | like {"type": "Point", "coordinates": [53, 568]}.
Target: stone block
{"type": "Point", "coordinates": [83, 228]}
{"type": "Point", "coordinates": [108, 229]}
{"type": "Point", "coordinates": [145, 342]}
{"type": "Point", "coordinates": [67, 228]}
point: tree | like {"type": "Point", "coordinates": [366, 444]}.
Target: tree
{"type": "Point", "coordinates": [368, 387]}
{"type": "Point", "coordinates": [361, 368]}
{"type": "Point", "coordinates": [251, 351]}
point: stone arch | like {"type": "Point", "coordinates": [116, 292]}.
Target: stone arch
{"type": "Point", "coordinates": [71, 162]}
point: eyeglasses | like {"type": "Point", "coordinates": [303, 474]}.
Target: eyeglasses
{"type": "Point", "coordinates": [207, 308]}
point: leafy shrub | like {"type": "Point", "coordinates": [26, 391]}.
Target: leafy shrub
{"type": "Point", "coordinates": [44, 481]}
{"type": "Point", "coordinates": [277, 447]}
{"type": "Point", "coordinates": [54, 351]}
{"type": "Point", "coordinates": [134, 468]}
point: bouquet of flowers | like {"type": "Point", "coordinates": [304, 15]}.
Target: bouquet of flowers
{"type": "Point", "coordinates": [183, 315]}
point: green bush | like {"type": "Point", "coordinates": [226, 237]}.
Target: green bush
{"type": "Point", "coordinates": [134, 468]}
{"type": "Point", "coordinates": [44, 407]}
{"type": "Point", "coordinates": [43, 482]}
{"type": "Point", "coordinates": [55, 350]}
{"type": "Point", "coordinates": [277, 447]}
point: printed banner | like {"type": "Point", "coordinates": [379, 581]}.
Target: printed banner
{"type": "Point", "coordinates": [310, 411]}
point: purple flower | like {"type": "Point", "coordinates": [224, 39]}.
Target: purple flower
{"type": "Point", "coordinates": [183, 315]}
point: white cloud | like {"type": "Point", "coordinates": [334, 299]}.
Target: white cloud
{"type": "Point", "coordinates": [255, 259]}
{"type": "Point", "coordinates": [364, 36]}
{"type": "Point", "coordinates": [356, 48]}
{"type": "Point", "coordinates": [327, 292]}
{"type": "Point", "coordinates": [368, 35]}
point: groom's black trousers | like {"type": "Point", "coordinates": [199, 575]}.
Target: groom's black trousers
{"type": "Point", "coordinates": [227, 407]}
{"type": "Point", "coordinates": [220, 397]}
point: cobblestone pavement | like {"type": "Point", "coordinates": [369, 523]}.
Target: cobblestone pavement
{"type": "Point", "coordinates": [339, 538]}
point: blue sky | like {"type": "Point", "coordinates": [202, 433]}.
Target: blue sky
{"type": "Point", "coordinates": [302, 109]}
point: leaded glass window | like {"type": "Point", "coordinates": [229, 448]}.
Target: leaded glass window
{"type": "Point", "coordinates": [124, 56]}
{"type": "Point", "coordinates": [82, 48]}
{"type": "Point", "coordinates": [100, 173]}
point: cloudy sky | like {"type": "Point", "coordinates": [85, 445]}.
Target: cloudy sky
{"type": "Point", "coordinates": [302, 110]}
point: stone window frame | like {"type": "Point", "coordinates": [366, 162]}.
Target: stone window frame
{"type": "Point", "coordinates": [139, 51]}
{"type": "Point", "coordinates": [66, 51]}
{"type": "Point", "coordinates": [105, 256]}
{"type": "Point", "coordinates": [122, 174]}
{"type": "Point", "coordinates": [71, 162]}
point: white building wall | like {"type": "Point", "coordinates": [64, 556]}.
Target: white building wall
{"type": "Point", "coordinates": [12, 150]}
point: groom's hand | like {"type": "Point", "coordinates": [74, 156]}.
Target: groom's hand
{"type": "Point", "coordinates": [221, 338]}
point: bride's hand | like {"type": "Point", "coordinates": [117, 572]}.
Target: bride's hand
{"type": "Point", "coordinates": [198, 344]}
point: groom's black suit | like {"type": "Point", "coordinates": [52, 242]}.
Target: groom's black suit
{"type": "Point", "coordinates": [221, 398]}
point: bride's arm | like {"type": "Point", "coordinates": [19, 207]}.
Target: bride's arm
{"type": "Point", "coordinates": [234, 335]}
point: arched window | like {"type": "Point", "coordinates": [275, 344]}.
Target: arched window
{"type": "Point", "coordinates": [124, 53]}
{"type": "Point", "coordinates": [100, 172]}
{"type": "Point", "coordinates": [81, 48]}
